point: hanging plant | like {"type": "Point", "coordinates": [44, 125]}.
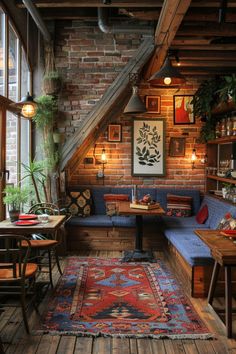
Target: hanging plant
{"type": "Point", "coordinates": [51, 79]}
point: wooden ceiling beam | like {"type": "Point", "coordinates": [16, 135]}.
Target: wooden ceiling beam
{"type": "Point", "coordinates": [206, 55]}
{"type": "Point", "coordinates": [178, 41]}
{"type": "Point", "coordinates": [93, 3]}
{"type": "Point", "coordinates": [206, 63]}
{"type": "Point", "coordinates": [172, 14]}
{"type": "Point", "coordinates": [211, 3]}
{"type": "Point", "coordinates": [222, 30]}
{"type": "Point", "coordinates": [206, 47]}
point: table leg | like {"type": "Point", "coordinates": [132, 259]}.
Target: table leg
{"type": "Point", "coordinates": [213, 282]}
{"type": "Point", "coordinates": [228, 301]}
{"type": "Point", "coordinates": [138, 254]}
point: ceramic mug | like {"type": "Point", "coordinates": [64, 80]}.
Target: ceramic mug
{"type": "Point", "coordinates": [43, 218]}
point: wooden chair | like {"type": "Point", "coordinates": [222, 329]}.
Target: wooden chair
{"type": "Point", "coordinates": [41, 243]}
{"type": "Point", "coordinates": [17, 275]}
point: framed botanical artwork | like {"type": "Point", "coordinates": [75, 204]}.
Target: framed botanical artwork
{"type": "Point", "coordinates": [148, 147]}
{"type": "Point", "coordinates": [183, 109]}
{"type": "Point", "coordinates": [177, 147]}
{"type": "Point", "coordinates": [153, 104]}
{"type": "Point", "coordinates": [114, 132]}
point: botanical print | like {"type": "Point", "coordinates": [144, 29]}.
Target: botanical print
{"type": "Point", "coordinates": [148, 147]}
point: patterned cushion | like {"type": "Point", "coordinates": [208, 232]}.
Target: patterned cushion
{"type": "Point", "coordinates": [112, 202]}
{"type": "Point", "coordinates": [202, 215]}
{"type": "Point", "coordinates": [179, 205]}
{"type": "Point", "coordinates": [79, 203]}
{"type": "Point", "coordinates": [227, 223]}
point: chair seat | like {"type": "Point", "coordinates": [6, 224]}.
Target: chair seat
{"type": "Point", "coordinates": [40, 243]}
{"type": "Point", "coordinates": [6, 274]}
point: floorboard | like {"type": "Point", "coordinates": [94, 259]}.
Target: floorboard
{"type": "Point", "coordinates": [16, 341]}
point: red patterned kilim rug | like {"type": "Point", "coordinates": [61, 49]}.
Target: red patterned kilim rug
{"type": "Point", "coordinates": [107, 297]}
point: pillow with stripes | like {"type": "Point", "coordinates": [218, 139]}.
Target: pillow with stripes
{"type": "Point", "coordinates": [179, 205]}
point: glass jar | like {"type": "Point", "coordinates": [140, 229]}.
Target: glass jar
{"type": "Point", "coordinates": [217, 130]}
{"type": "Point", "coordinates": [223, 128]}
{"type": "Point", "coordinates": [233, 118]}
{"type": "Point", "coordinates": [229, 126]}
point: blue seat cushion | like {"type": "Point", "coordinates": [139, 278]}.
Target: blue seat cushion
{"type": "Point", "coordinates": [91, 221]}
{"type": "Point", "coordinates": [216, 210]}
{"type": "Point", "coordinates": [123, 221]}
{"type": "Point", "coordinates": [177, 222]}
{"type": "Point", "coordinates": [190, 246]}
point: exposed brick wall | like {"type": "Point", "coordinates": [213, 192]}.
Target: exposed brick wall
{"type": "Point", "coordinates": [89, 61]}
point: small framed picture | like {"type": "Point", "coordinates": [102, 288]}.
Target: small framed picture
{"type": "Point", "coordinates": [153, 104]}
{"type": "Point", "coordinates": [114, 133]}
{"type": "Point", "coordinates": [177, 147]}
{"type": "Point", "coordinates": [183, 109]}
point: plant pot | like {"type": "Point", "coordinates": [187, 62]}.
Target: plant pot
{"type": "Point", "coordinates": [51, 86]}
{"type": "Point", "coordinates": [58, 138]}
{"type": "Point", "coordinates": [14, 215]}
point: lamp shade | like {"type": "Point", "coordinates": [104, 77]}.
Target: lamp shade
{"type": "Point", "coordinates": [28, 106]}
{"type": "Point", "coordinates": [135, 104]}
{"type": "Point", "coordinates": [168, 75]}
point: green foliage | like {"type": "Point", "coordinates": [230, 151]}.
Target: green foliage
{"type": "Point", "coordinates": [149, 139]}
{"type": "Point", "coordinates": [36, 175]}
{"type": "Point", "coordinates": [207, 97]}
{"type": "Point", "coordinates": [15, 196]}
{"type": "Point", "coordinates": [47, 107]}
{"type": "Point", "coordinates": [52, 75]}
{"type": "Point", "coordinates": [228, 88]}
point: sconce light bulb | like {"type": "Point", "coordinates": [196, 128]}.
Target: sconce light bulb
{"type": "Point", "coordinates": [167, 80]}
{"type": "Point", "coordinates": [194, 156]}
{"type": "Point", "coordinates": [103, 156]}
{"type": "Point", "coordinates": [178, 63]}
{"type": "Point", "coordinates": [28, 110]}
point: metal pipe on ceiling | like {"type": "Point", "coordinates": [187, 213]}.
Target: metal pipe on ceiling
{"type": "Point", "coordinates": [37, 19]}
{"type": "Point", "coordinates": [105, 27]}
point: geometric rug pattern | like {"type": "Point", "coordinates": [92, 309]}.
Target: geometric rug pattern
{"type": "Point", "coordinates": [107, 297]}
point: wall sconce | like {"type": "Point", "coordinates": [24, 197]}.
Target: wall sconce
{"type": "Point", "coordinates": [102, 161]}
{"type": "Point", "coordinates": [168, 75]}
{"type": "Point", "coordinates": [193, 158]}
{"type": "Point", "coordinates": [135, 104]}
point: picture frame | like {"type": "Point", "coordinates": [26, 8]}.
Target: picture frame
{"type": "Point", "coordinates": [148, 147]}
{"type": "Point", "coordinates": [177, 147]}
{"type": "Point", "coordinates": [153, 104]}
{"type": "Point", "coordinates": [183, 109]}
{"type": "Point", "coordinates": [114, 133]}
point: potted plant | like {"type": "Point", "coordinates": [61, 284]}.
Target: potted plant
{"type": "Point", "coordinates": [14, 198]}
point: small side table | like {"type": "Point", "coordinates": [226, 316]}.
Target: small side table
{"type": "Point", "coordinates": [138, 254]}
{"type": "Point", "coordinates": [223, 250]}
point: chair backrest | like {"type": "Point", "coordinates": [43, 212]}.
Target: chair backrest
{"type": "Point", "coordinates": [13, 257]}
{"type": "Point", "coordinates": [44, 208]}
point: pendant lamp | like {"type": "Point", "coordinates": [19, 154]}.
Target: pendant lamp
{"type": "Point", "coordinates": [27, 104]}
{"type": "Point", "coordinates": [168, 75]}
{"type": "Point", "coordinates": [135, 104]}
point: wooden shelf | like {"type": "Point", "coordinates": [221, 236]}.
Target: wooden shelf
{"type": "Point", "coordinates": [222, 179]}
{"type": "Point", "coordinates": [223, 140]}
{"type": "Point", "coordinates": [224, 107]}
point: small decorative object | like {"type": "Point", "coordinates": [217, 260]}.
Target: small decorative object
{"type": "Point", "coordinates": [145, 203]}
{"type": "Point", "coordinates": [134, 195]}
{"type": "Point", "coordinates": [148, 148]}
{"type": "Point", "coordinates": [223, 127]}
{"type": "Point", "coordinates": [229, 127]}
{"type": "Point", "coordinates": [114, 132]}
{"type": "Point", "coordinates": [217, 130]}
{"type": "Point", "coordinates": [177, 147]}
{"type": "Point", "coordinates": [183, 109]}
{"type": "Point", "coordinates": [43, 218]}
{"type": "Point", "coordinates": [153, 104]}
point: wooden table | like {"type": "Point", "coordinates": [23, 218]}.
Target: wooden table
{"type": "Point", "coordinates": [223, 250]}
{"type": "Point", "coordinates": [51, 227]}
{"type": "Point", "coordinates": [138, 254]}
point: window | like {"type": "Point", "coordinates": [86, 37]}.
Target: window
{"type": "Point", "coordinates": [15, 80]}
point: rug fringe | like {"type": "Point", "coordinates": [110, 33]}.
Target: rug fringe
{"type": "Point", "coordinates": [126, 335]}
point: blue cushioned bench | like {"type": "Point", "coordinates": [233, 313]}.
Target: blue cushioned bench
{"type": "Point", "coordinates": [182, 246]}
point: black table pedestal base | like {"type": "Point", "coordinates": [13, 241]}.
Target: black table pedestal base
{"type": "Point", "coordinates": [138, 256]}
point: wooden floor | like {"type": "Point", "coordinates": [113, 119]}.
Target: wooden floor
{"type": "Point", "coordinates": [16, 341]}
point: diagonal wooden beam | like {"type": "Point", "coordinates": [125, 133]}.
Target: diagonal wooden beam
{"type": "Point", "coordinates": [171, 16]}
{"type": "Point", "coordinates": [103, 108]}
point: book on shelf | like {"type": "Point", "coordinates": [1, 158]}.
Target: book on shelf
{"type": "Point", "coordinates": [144, 206]}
